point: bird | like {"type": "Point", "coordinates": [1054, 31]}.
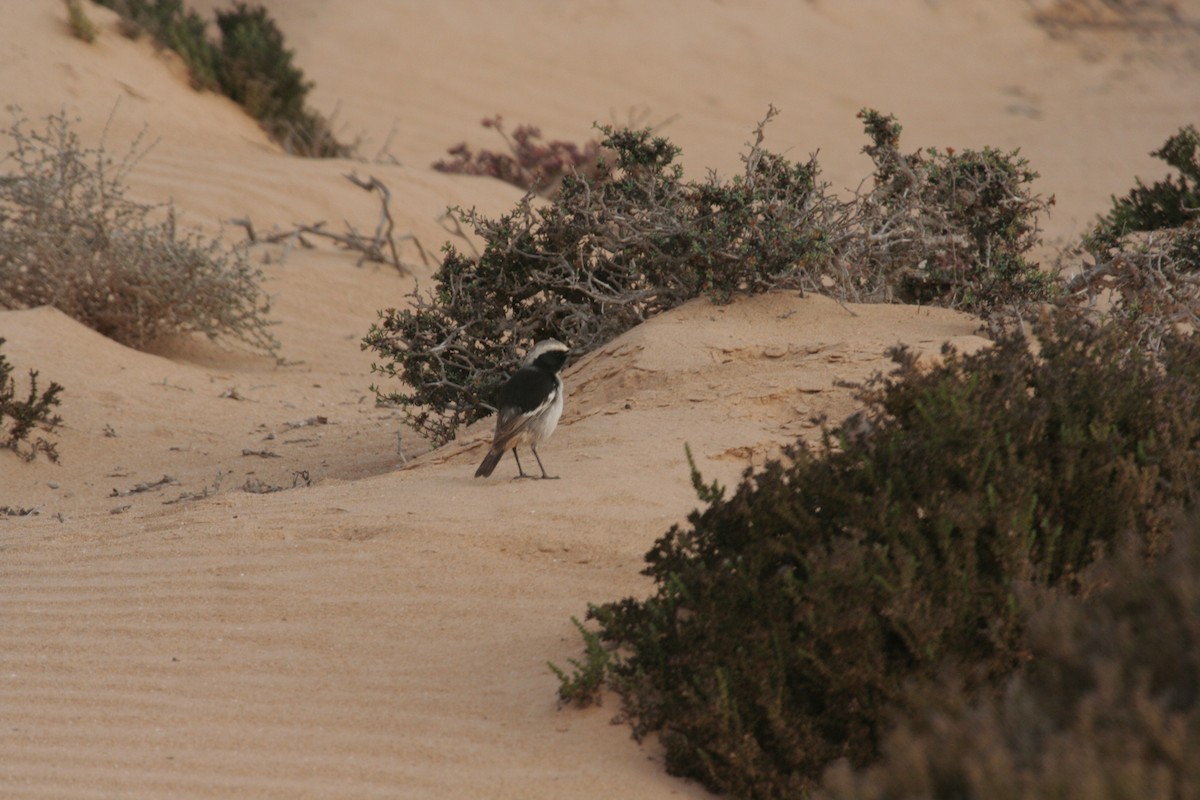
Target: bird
{"type": "Point", "coordinates": [528, 407]}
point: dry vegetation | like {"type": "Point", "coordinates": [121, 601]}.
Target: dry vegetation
{"type": "Point", "coordinates": [72, 239]}
{"type": "Point", "coordinates": [530, 163]}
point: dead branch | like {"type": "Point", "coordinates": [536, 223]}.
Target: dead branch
{"type": "Point", "coordinates": [380, 247]}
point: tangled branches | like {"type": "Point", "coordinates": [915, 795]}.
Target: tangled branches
{"type": "Point", "coordinates": [1149, 284]}
{"type": "Point", "coordinates": [606, 254]}
{"type": "Point", "coordinates": [1141, 262]}
{"type": "Point", "coordinates": [635, 239]}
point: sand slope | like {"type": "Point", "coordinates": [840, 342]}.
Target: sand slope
{"type": "Point", "coordinates": [381, 626]}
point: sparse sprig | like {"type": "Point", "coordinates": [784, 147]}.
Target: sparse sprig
{"type": "Point", "coordinates": [20, 418]}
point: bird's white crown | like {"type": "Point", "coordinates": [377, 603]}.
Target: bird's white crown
{"type": "Point", "coordinates": [543, 347]}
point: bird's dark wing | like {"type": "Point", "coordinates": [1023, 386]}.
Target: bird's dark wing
{"type": "Point", "coordinates": [522, 398]}
{"type": "Point", "coordinates": [526, 390]}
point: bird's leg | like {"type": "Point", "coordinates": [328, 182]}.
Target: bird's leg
{"type": "Point", "coordinates": [519, 470]}
{"type": "Point", "coordinates": [545, 477]}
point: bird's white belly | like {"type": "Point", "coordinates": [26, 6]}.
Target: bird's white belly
{"type": "Point", "coordinates": [541, 428]}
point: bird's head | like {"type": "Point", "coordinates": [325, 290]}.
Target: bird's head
{"type": "Point", "coordinates": [548, 353]}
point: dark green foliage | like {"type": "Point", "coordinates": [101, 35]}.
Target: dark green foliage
{"type": "Point", "coordinates": [791, 618]}
{"type": "Point", "coordinates": [1169, 203]}
{"type": "Point", "coordinates": [176, 28]}
{"type": "Point", "coordinates": [255, 69]}
{"type": "Point", "coordinates": [1144, 256]}
{"type": "Point", "coordinates": [19, 418]}
{"type": "Point", "coordinates": [582, 687]}
{"type": "Point", "coordinates": [81, 26]}
{"type": "Point", "coordinates": [250, 64]}
{"type": "Point", "coordinates": [1108, 705]}
{"type": "Point", "coordinates": [70, 238]}
{"type": "Point", "coordinates": [632, 238]}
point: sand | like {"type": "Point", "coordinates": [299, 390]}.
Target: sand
{"type": "Point", "coordinates": [381, 626]}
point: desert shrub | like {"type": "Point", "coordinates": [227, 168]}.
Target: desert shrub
{"type": "Point", "coordinates": [174, 27]}
{"type": "Point", "coordinates": [250, 65]}
{"type": "Point", "coordinates": [19, 418]}
{"type": "Point", "coordinates": [1142, 259]}
{"type": "Point", "coordinates": [530, 163]}
{"type": "Point", "coordinates": [80, 25]}
{"type": "Point", "coordinates": [70, 238]}
{"type": "Point", "coordinates": [633, 239]}
{"type": "Point", "coordinates": [255, 69]}
{"type": "Point", "coordinates": [1147, 283]}
{"type": "Point", "coordinates": [789, 618]}
{"type": "Point", "coordinates": [607, 253]}
{"type": "Point", "coordinates": [952, 228]}
{"type": "Point", "coordinates": [1107, 706]}
{"type": "Point", "coordinates": [1169, 203]}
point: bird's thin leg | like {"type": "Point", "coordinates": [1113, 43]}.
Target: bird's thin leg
{"type": "Point", "coordinates": [519, 470]}
{"type": "Point", "coordinates": [539, 460]}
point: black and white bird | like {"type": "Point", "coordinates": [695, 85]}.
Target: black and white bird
{"type": "Point", "coordinates": [529, 406]}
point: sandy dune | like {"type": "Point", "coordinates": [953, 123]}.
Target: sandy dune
{"type": "Point", "coordinates": [381, 626]}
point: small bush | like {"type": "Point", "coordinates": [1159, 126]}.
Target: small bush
{"type": "Point", "coordinates": [1169, 203]}
{"type": "Point", "coordinates": [81, 27]}
{"type": "Point", "coordinates": [952, 228]}
{"type": "Point", "coordinates": [1107, 706]}
{"type": "Point", "coordinates": [23, 416]}
{"type": "Point", "coordinates": [635, 239]}
{"type": "Point", "coordinates": [70, 238]}
{"type": "Point", "coordinates": [255, 69]}
{"type": "Point", "coordinates": [175, 28]}
{"type": "Point", "coordinates": [529, 164]}
{"type": "Point", "coordinates": [250, 65]}
{"type": "Point", "coordinates": [1143, 258]}
{"type": "Point", "coordinates": [791, 618]}
{"type": "Point", "coordinates": [608, 253]}
{"type": "Point", "coordinates": [582, 687]}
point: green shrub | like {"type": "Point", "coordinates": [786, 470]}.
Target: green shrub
{"type": "Point", "coordinates": [634, 239]}
{"type": "Point", "coordinates": [790, 618]}
{"type": "Point", "coordinates": [81, 26]}
{"type": "Point", "coordinates": [70, 238]}
{"type": "Point", "coordinates": [175, 28]}
{"type": "Point", "coordinates": [1107, 705]}
{"type": "Point", "coordinates": [583, 686]}
{"type": "Point", "coordinates": [250, 65]}
{"type": "Point", "coordinates": [255, 69]}
{"type": "Point", "coordinates": [1143, 257]}
{"type": "Point", "coordinates": [23, 416]}
{"type": "Point", "coordinates": [1169, 203]}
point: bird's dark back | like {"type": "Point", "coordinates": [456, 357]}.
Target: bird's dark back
{"type": "Point", "coordinates": [527, 388]}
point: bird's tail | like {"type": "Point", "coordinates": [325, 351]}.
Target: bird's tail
{"type": "Point", "coordinates": [489, 462]}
